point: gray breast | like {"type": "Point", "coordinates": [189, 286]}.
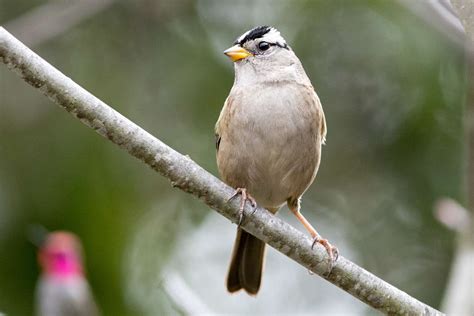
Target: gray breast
{"type": "Point", "coordinates": [270, 141]}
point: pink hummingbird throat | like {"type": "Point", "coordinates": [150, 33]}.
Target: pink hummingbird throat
{"type": "Point", "coordinates": [60, 256]}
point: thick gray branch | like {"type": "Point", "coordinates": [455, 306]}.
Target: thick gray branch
{"type": "Point", "coordinates": [190, 177]}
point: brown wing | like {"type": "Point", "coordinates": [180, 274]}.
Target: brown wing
{"type": "Point", "coordinates": [322, 126]}
{"type": "Point", "coordinates": [218, 141]}
{"type": "Point", "coordinates": [222, 120]}
{"type": "Point", "coordinates": [323, 130]}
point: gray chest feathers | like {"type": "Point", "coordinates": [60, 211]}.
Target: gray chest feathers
{"type": "Point", "coordinates": [270, 141]}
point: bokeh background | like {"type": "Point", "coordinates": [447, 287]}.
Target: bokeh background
{"type": "Point", "coordinates": [393, 90]}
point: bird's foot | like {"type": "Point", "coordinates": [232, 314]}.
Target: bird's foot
{"type": "Point", "coordinates": [245, 197]}
{"type": "Point", "coordinates": [332, 251]}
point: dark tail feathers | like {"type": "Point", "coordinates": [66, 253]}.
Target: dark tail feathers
{"type": "Point", "coordinates": [246, 266]}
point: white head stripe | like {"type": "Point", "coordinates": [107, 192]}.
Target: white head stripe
{"type": "Point", "coordinates": [274, 36]}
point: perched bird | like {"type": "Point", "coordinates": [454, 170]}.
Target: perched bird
{"type": "Point", "coordinates": [268, 138]}
{"type": "Point", "coordinates": [63, 288]}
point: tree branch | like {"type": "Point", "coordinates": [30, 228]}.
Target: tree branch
{"type": "Point", "coordinates": [186, 175]}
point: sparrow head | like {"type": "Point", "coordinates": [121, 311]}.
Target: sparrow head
{"type": "Point", "coordinates": [262, 54]}
{"type": "Point", "coordinates": [258, 42]}
{"type": "Point", "coordinates": [61, 255]}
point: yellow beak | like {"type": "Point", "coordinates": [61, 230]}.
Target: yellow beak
{"type": "Point", "coordinates": [237, 53]}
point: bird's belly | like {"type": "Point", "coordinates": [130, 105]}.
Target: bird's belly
{"type": "Point", "coordinates": [273, 162]}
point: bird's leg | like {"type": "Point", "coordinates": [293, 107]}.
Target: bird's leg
{"type": "Point", "coordinates": [317, 239]}
{"type": "Point", "coordinates": [245, 197]}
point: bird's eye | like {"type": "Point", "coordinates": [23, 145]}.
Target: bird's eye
{"type": "Point", "coordinates": [263, 45]}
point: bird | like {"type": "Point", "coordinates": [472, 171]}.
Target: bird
{"type": "Point", "coordinates": [268, 142]}
{"type": "Point", "coordinates": [62, 288]}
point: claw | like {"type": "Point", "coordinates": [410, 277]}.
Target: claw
{"type": "Point", "coordinates": [332, 251]}
{"type": "Point", "coordinates": [336, 253]}
{"type": "Point", "coordinates": [241, 217]}
{"type": "Point", "coordinates": [253, 204]}
{"type": "Point", "coordinates": [245, 197]}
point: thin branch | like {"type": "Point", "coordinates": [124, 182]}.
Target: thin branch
{"type": "Point", "coordinates": [186, 175]}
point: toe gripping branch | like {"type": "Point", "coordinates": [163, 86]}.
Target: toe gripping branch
{"type": "Point", "coordinates": [245, 197]}
{"type": "Point", "coordinates": [332, 251]}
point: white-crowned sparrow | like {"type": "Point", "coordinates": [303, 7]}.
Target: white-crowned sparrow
{"type": "Point", "coordinates": [268, 138]}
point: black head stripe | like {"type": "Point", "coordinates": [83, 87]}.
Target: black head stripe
{"type": "Point", "coordinates": [285, 46]}
{"type": "Point", "coordinates": [255, 33]}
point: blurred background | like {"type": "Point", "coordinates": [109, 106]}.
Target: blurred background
{"type": "Point", "coordinates": [393, 90]}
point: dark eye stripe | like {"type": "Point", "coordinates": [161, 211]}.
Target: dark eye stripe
{"type": "Point", "coordinates": [285, 46]}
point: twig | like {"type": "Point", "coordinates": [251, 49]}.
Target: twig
{"type": "Point", "coordinates": [186, 175]}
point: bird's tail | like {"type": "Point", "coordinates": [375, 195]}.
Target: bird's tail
{"type": "Point", "coordinates": [246, 266]}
